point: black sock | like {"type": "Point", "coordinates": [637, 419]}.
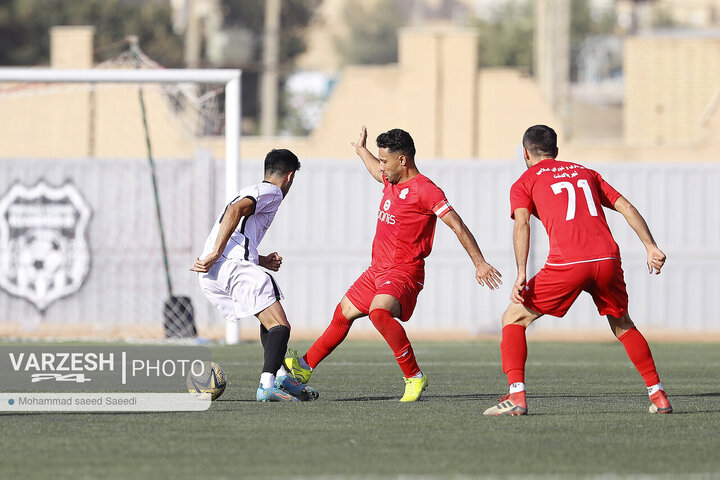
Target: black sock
{"type": "Point", "coordinates": [275, 348]}
{"type": "Point", "coordinates": [263, 335]}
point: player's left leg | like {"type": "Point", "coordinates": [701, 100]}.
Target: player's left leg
{"type": "Point", "coordinates": [513, 352]}
{"type": "Point", "coordinates": [287, 382]}
{"type": "Point", "coordinates": [640, 355]}
{"type": "Point", "coordinates": [552, 291]}
{"type": "Point", "coordinates": [383, 311]}
{"type": "Point", "coordinates": [274, 320]}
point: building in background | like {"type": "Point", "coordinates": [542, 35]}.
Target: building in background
{"type": "Point", "coordinates": [460, 115]}
{"type": "Point", "coordinates": [646, 96]}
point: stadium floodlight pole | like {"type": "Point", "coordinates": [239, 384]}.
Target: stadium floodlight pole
{"type": "Point", "coordinates": [229, 77]}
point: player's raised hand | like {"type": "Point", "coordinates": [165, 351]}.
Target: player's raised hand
{"type": "Point", "coordinates": [271, 262]}
{"type": "Point", "coordinates": [655, 259]}
{"type": "Point", "coordinates": [203, 265]}
{"type": "Point", "coordinates": [488, 275]}
{"type": "Point", "coordinates": [361, 141]}
{"type": "Point", "coordinates": [517, 291]}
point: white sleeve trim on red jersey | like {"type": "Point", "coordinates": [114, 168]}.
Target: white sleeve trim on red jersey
{"type": "Point", "coordinates": [441, 208]}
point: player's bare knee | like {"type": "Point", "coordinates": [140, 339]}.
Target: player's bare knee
{"type": "Point", "coordinates": [273, 316]}
{"type": "Point", "coordinates": [620, 325]}
{"type": "Point", "coordinates": [386, 302]}
{"type": "Point", "coordinates": [517, 314]}
{"type": "Point", "coordinates": [349, 311]}
{"type": "Point", "coordinates": [270, 322]}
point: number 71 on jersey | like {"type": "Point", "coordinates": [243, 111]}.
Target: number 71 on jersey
{"type": "Point", "coordinates": [582, 184]}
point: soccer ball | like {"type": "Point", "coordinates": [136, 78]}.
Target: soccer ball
{"type": "Point", "coordinates": [211, 383]}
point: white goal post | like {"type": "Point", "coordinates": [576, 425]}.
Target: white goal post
{"type": "Point", "coordinates": [229, 77]}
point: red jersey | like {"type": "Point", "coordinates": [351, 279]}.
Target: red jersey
{"type": "Point", "coordinates": [568, 199]}
{"type": "Point", "coordinates": [406, 222]}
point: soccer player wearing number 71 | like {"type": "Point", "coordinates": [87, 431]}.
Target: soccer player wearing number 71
{"type": "Point", "coordinates": [568, 199]}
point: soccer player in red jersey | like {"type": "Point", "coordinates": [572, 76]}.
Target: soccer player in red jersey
{"type": "Point", "coordinates": [568, 199]}
{"type": "Point", "coordinates": [387, 290]}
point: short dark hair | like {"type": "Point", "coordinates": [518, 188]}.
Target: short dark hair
{"type": "Point", "coordinates": [281, 161]}
{"type": "Point", "coordinates": [541, 140]}
{"type": "Point", "coordinates": [397, 140]}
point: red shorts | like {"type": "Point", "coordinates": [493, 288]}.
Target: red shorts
{"type": "Point", "coordinates": [402, 284]}
{"type": "Point", "coordinates": [554, 289]}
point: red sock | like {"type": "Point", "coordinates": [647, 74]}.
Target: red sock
{"type": "Point", "coordinates": [513, 350]}
{"type": "Point", "coordinates": [333, 336]}
{"type": "Point", "coordinates": [394, 334]}
{"type": "Point", "coordinates": [639, 352]}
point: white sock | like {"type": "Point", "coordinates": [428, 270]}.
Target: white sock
{"type": "Point", "coordinates": [418, 375]}
{"type": "Point", "coordinates": [304, 364]}
{"type": "Point", "coordinates": [517, 387]}
{"type": "Point", "coordinates": [267, 380]}
{"type": "Point", "coordinates": [281, 372]}
{"type": "Point", "coordinates": [655, 388]}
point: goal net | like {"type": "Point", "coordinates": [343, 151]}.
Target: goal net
{"type": "Point", "coordinates": [110, 179]}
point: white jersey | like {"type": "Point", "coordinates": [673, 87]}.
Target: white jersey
{"type": "Point", "coordinates": [244, 241]}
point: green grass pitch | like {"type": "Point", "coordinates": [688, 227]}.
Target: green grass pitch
{"type": "Point", "coordinates": [588, 419]}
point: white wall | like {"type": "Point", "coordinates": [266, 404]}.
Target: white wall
{"type": "Point", "coordinates": [324, 231]}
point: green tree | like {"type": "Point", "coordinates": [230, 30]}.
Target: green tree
{"type": "Point", "coordinates": [506, 37]}
{"type": "Point", "coordinates": [295, 16]}
{"type": "Point", "coordinates": [372, 32]}
{"type": "Point", "coordinates": [584, 24]}
{"type": "Point", "coordinates": [25, 25]}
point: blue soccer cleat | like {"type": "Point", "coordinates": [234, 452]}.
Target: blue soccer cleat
{"type": "Point", "coordinates": [298, 390]}
{"type": "Point", "coordinates": [274, 394]}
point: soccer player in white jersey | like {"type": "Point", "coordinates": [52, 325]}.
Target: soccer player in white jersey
{"type": "Point", "coordinates": [231, 278]}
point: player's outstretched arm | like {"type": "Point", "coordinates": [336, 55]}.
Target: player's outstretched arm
{"type": "Point", "coordinates": [655, 257]}
{"type": "Point", "coordinates": [485, 273]}
{"type": "Point", "coordinates": [230, 220]}
{"type": "Point", "coordinates": [521, 245]}
{"type": "Point", "coordinates": [371, 162]}
{"type": "Point", "coordinates": [271, 262]}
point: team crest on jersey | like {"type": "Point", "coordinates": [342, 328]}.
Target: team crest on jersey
{"type": "Point", "coordinates": [403, 193]}
{"type": "Point", "coordinates": [386, 206]}
{"type": "Point", "coordinates": [44, 253]}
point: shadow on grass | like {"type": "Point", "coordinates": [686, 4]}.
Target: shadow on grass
{"type": "Point", "coordinates": [366, 399]}
{"type": "Point", "coordinates": [695, 395]}
{"type": "Point", "coordinates": [486, 400]}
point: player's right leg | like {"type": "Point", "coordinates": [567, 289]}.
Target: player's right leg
{"type": "Point", "coordinates": [343, 317]}
{"type": "Point", "coordinates": [640, 355]}
{"type": "Point", "coordinates": [513, 351]}
{"type": "Point", "coordinates": [334, 334]}
{"type": "Point", "coordinates": [610, 296]}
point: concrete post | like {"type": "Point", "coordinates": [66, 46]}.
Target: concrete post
{"type": "Point", "coordinates": [271, 55]}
